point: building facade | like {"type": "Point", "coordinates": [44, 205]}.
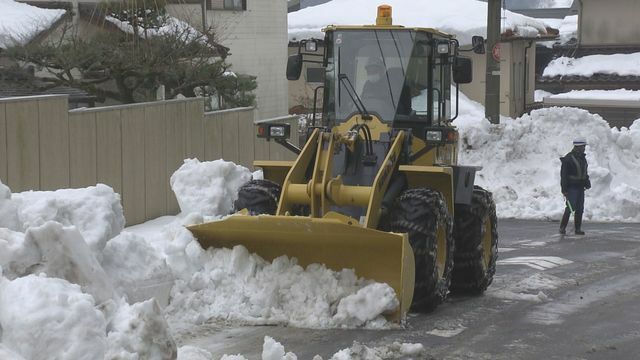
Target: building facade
{"type": "Point", "coordinates": [256, 33]}
{"type": "Point", "coordinates": [609, 23]}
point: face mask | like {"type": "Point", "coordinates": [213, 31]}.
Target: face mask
{"type": "Point", "coordinates": [374, 78]}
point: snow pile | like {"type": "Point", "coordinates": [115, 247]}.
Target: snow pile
{"type": "Point", "coordinates": [618, 64]}
{"type": "Point", "coordinates": [463, 18]}
{"type": "Point", "coordinates": [56, 300]}
{"type": "Point", "coordinates": [101, 301]}
{"type": "Point", "coordinates": [95, 211]}
{"type": "Point", "coordinates": [8, 210]}
{"type": "Point", "coordinates": [208, 188]}
{"type": "Point", "coordinates": [139, 331]}
{"type": "Point", "coordinates": [521, 165]}
{"type": "Point", "coordinates": [234, 285]}
{"type": "Point", "coordinates": [394, 351]}
{"type": "Point", "coordinates": [20, 23]}
{"type": "Point", "coordinates": [49, 318]}
{"type": "Point", "coordinates": [136, 269]}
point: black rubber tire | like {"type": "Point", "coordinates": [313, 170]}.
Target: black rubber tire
{"type": "Point", "coordinates": [421, 213]}
{"type": "Point", "coordinates": [258, 197]}
{"type": "Point", "coordinates": [473, 271]}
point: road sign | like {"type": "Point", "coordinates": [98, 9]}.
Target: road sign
{"type": "Point", "coordinates": [496, 52]}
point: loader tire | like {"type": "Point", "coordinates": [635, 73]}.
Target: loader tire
{"type": "Point", "coordinates": [476, 240]}
{"type": "Point", "coordinates": [258, 197]}
{"type": "Point", "coordinates": [422, 214]}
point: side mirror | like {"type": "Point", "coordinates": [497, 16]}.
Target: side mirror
{"type": "Point", "coordinates": [294, 67]}
{"type": "Point", "coordinates": [477, 42]}
{"type": "Point", "coordinates": [462, 70]}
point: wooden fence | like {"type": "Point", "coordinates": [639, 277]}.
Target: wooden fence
{"type": "Point", "coordinates": [132, 148]}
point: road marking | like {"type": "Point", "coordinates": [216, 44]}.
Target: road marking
{"type": "Point", "coordinates": [505, 249]}
{"type": "Point", "coordinates": [447, 332]}
{"type": "Point", "coordinates": [536, 262]}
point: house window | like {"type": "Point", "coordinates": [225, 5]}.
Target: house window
{"type": "Point", "coordinates": [235, 4]}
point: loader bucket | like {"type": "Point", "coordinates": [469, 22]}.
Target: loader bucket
{"type": "Point", "coordinates": [376, 255]}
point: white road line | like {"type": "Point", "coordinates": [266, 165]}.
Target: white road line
{"type": "Point", "coordinates": [536, 262]}
{"type": "Point", "coordinates": [446, 332]}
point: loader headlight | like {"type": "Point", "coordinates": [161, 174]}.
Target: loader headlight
{"type": "Point", "coordinates": [433, 135]}
{"type": "Point", "coordinates": [443, 48]}
{"type": "Point", "coordinates": [441, 135]}
{"type": "Point", "coordinates": [275, 131]}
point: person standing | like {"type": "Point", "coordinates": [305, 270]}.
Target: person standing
{"type": "Point", "coordinates": [574, 180]}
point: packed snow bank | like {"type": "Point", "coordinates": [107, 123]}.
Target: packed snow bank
{"type": "Point", "coordinates": [208, 188]}
{"type": "Point", "coordinates": [95, 211]}
{"type": "Point", "coordinates": [94, 294]}
{"type": "Point", "coordinates": [48, 318]}
{"type": "Point", "coordinates": [463, 18]}
{"type": "Point", "coordinates": [521, 166]}
{"type": "Point", "coordinates": [20, 23]}
{"type": "Point", "coordinates": [145, 324]}
{"type": "Point", "coordinates": [618, 64]}
{"type": "Point", "coordinates": [137, 269]}
{"type": "Point", "coordinates": [234, 285]}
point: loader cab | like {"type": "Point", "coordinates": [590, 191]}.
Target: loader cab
{"type": "Point", "coordinates": [400, 75]}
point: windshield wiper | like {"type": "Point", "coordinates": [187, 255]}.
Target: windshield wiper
{"type": "Point", "coordinates": [354, 96]}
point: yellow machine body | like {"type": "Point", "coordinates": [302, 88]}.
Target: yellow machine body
{"type": "Point", "coordinates": [326, 236]}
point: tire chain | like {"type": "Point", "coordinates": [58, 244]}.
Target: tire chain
{"type": "Point", "coordinates": [419, 212]}
{"type": "Point", "coordinates": [259, 197]}
{"type": "Point", "coordinates": [470, 275]}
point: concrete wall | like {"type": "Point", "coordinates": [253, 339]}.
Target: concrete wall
{"type": "Point", "coordinates": [613, 22]}
{"type": "Point", "coordinates": [257, 38]}
{"type": "Point", "coordinates": [132, 148]}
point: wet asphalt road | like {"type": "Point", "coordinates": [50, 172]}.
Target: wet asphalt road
{"type": "Point", "coordinates": [553, 297]}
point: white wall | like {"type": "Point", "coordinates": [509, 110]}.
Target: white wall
{"type": "Point", "coordinates": [257, 38]}
{"type": "Point", "coordinates": [613, 22]}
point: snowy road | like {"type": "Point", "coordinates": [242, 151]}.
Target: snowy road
{"type": "Point", "coordinates": [553, 297]}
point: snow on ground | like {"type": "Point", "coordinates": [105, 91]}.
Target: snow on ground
{"type": "Point", "coordinates": [110, 288]}
{"type": "Point", "coordinates": [618, 64]}
{"type": "Point", "coordinates": [521, 166]}
{"type": "Point", "coordinates": [273, 350]}
{"type": "Point", "coordinates": [67, 267]}
{"type": "Point", "coordinates": [19, 23]}
{"type": "Point", "coordinates": [463, 18]}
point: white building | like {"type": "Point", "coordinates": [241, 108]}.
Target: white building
{"type": "Point", "coordinates": [256, 33]}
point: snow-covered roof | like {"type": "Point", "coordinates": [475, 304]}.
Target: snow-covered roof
{"type": "Point", "coordinates": [171, 25]}
{"type": "Point", "coordinates": [616, 64]}
{"type": "Point", "coordinates": [20, 23]}
{"type": "Point", "coordinates": [463, 18]}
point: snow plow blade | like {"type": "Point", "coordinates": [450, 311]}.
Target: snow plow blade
{"type": "Point", "coordinates": [376, 255]}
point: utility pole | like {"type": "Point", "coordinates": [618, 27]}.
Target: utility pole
{"type": "Point", "coordinates": [204, 16]}
{"type": "Point", "coordinates": [492, 91]}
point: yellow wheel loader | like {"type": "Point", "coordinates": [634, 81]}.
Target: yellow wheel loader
{"type": "Point", "coordinates": [376, 186]}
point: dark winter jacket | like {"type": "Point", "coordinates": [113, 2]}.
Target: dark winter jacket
{"type": "Point", "coordinates": [573, 172]}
